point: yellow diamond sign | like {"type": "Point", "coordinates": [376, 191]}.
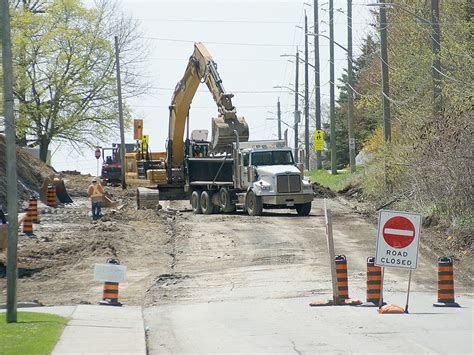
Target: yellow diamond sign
{"type": "Point", "coordinates": [318, 139]}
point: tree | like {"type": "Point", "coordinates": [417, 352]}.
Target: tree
{"type": "Point", "coordinates": [64, 69]}
{"type": "Point", "coordinates": [366, 119]}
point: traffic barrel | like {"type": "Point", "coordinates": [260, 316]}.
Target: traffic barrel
{"type": "Point", "coordinates": [445, 283]}
{"type": "Point", "coordinates": [33, 206]}
{"type": "Point", "coordinates": [341, 274]}
{"type": "Point", "coordinates": [51, 196]}
{"type": "Point", "coordinates": [110, 294]}
{"type": "Point", "coordinates": [28, 223]}
{"type": "Point", "coordinates": [374, 284]}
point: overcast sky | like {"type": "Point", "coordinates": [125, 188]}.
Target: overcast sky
{"type": "Point", "coordinates": [246, 40]}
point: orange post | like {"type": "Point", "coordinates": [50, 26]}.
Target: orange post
{"type": "Point", "coordinates": [28, 223]}
{"type": "Point", "coordinates": [51, 196]}
{"type": "Point", "coordinates": [111, 289]}
{"type": "Point", "coordinates": [341, 273]}
{"type": "Point", "coordinates": [374, 284]}
{"type": "Point", "coordinates": [110, 295]}
{"type": "Point", "coordinates": [445, 283]}
{"type": "Point", "coordinates": [33, 206]}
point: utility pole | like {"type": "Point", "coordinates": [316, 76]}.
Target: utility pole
{"type": "Point", "coordinates": [387, 131]}
{"type": "Point", "coordinates": [279, 118]}
{"type": "Point", "coordinates": [297, 113]}
{"type": "Point", "coordinates": [306, 95]}
{"type": "Point", "coordinates": [317, 80]}
{"type": "Point", "coordinates": [332, 104]}
{"type": "Point", "coordinates": [120, 109]}
{"type": "Point", "coordinates": [436, 48]}
{"type": "Point", "coordinates": [10, 138]}
{"type": "Point", "coordinates": [350, 93]}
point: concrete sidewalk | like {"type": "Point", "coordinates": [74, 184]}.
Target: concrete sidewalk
{"type": "Point", "coordinates": [99, 329]}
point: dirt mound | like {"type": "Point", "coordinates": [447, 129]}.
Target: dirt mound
{"type": "Point", "coordinates": [320, 191]}
{"type": "Point", "coordinates": [31, 173]}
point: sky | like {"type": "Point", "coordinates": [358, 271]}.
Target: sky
{"type": "Point", "coordinates": [247, 40]}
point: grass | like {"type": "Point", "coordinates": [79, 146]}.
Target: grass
{"type": "Point", "coordinates": [334, 183]}
{"type": "Point", "coordinates": [34, 333]}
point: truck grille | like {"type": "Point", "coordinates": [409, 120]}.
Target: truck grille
{"type": "Point", "coordinates": [288, 183]}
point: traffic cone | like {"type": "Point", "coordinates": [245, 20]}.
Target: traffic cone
{"type": "Point", "coordinates": [110, 294]}
{"type": "Point", "coordinates": [51, 196]}
{"type": "Point", "coordinates": [33, 206]}
{"type": "Point", "coordinates": [374, 284]}
{"type": "Point", "coordinates": [341, 274]}
{"type": "Point", "coordinates": [445, 283]}
{"type": "Point", "coordinates": [28, 223]}
{"type": "Point", "coordinates": [111, 290]}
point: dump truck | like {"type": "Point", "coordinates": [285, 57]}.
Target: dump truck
{"type": "Point", "coordinates": [256, 175]}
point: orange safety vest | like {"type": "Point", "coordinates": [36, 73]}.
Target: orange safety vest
{"type": "Point", "coordinates": [95, 192]}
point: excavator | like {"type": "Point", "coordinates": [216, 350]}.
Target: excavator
{"type": "Point", "coordinates": [167, 170]}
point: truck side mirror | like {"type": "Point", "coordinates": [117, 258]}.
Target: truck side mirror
{"type": "Point", "coordinates": [251, 173]}
{"type": "Point", "coordinates": [300, 167]}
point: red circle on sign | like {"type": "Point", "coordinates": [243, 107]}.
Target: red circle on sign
{"type": "Point", "coordinates": [97, 153]}
{"type": "Point", "coordinates": [398, 232]}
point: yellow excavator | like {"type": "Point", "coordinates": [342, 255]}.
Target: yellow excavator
{"type": "Point", "coordinates": [167, 170]}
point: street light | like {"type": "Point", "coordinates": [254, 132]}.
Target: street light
{"type": "Point", "coordinates": [286, 124]}
{"type": "Point", "coordinates": [289, 89]}
{"type": "Point", "coordinates": [301, 59]}
{"type": "Point", "coordinates": [329, 38]}
{"type": "Point", "coordinates": [297, 112]}
{"type": "Point", "coordinates": [401, 7]}
{"type": "Point", "coordinates": [294, 127]}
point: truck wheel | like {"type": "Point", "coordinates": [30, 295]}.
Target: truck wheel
{"type": "Point", "coordinates": [206, 203]}
{"type": "Point", "coordinates": [226, 204]}
{"type": "Point", "coordinates": [196, 202]}
{"type": "Point", "coordinates": [303, 209]}
{"type": "Point", "coordinates": [253, 204]}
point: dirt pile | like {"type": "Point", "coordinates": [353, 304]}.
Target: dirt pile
{"type": "Point", "coordinates": [31, 173]}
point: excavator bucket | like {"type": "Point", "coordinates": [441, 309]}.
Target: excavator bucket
{"type": "Point", "coordinates": [61, 192]}
{"type": "Point", "coordinates": [223, 132]}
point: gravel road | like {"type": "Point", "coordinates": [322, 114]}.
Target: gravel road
{"type": "Point", "coordinates": [243, 284]}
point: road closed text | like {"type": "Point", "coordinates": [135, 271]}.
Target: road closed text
{"type": "Point", "coordinates": [396, 258]}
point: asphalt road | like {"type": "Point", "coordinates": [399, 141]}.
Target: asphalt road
{"type": "Point", "coordinates": [241, 284]}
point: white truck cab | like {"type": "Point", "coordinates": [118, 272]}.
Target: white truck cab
{"type": "Point", "coordinates": [270, 177]}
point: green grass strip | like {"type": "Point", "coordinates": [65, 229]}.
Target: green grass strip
{"type": "Point", "coordinates": [34, 333]}
{"type": "Point", "coordinates": [334, 183]}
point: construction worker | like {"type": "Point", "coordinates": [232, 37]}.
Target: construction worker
{"type": "Point", "coordinates": [95, 193]}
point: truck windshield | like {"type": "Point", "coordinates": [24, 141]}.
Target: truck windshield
{"type": "Point", "coordinates": [278, 157]}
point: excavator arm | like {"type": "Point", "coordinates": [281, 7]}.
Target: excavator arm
{"type": "Point", "coordinates": [202, 69]}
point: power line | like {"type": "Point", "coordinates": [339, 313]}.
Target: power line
{"type": "Point", "coordinates": [232, 91]}
{"type": "Point", "coordinates": [218, 43]}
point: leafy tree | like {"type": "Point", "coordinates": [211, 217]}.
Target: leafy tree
{"type": "Point", "coordinates": [64, 69]}
{"type": "Point", "coordinates": [365, 119]}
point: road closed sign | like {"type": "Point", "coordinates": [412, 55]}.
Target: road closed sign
{"type": "Point", "coordinates": [397, 239]}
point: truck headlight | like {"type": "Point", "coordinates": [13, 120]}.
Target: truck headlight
{"type": "Point", "coordinates": [263, 185]}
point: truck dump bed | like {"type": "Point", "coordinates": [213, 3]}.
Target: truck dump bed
{"type": "Point", "coordinates": [209, 171]}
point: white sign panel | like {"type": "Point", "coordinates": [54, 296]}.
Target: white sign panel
{"type": "Point", "coordinates": [398, 237]}
{"type": "Point", "coordinates": [109, 272]}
